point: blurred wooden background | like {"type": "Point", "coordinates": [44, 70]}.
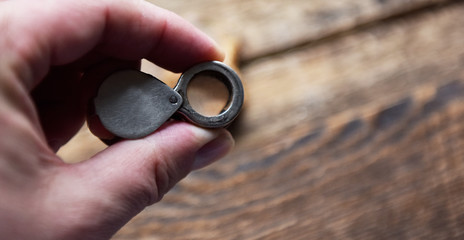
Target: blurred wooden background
{"type": "Point", "coordinates": [353, 127]}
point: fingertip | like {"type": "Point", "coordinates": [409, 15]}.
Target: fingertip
{"type": "Point", "coordinates": [183, 45]}
{"type": "Point", "coordinates": [214, 150]}
{"type": "Point", "coordinates": [217, 52]}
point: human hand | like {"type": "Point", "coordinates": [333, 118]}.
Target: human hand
{"type": "Point", "coordinates": [46, 47]}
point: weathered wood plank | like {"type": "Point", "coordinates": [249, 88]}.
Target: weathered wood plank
{"type": "Point", "coordinates": [372, 67]}
{"type": "Point", "coordinates": [357, 138]}
{"type": "Point", "coordinates": [275, 25]}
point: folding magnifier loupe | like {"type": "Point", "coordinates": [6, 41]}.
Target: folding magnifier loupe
{"type": "Point", "coordinates": [131, 104]}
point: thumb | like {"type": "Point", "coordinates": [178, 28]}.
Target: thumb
{"type": "Point", "coordinates": [137, 173]}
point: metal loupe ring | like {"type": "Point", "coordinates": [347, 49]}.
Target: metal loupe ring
{"type": "Point", "coordinates": [226, 75]}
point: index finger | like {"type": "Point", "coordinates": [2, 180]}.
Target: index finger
{"type": "Point", "coordinates": [40, 34]}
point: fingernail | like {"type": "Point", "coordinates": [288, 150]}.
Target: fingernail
{"type": "Point", "coordinates": [213, 150]}
{"type": "Point", "coordinates": [220, 53]}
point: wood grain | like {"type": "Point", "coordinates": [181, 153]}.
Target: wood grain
{"type": "Point", "coordinates": [266, 27]}
{"type": "Point", "coordinates": [357, 137]}
{"type": "Point", "coordinates": [372, 67]}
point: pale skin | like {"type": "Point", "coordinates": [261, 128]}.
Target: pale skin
{"type": "Point", "coordinates": [59, 51]}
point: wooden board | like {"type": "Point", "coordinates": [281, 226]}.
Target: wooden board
{"type": "Point", "coordinates": [267, 27]}
{"type": "Point", "coordinates": [359, 136]}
